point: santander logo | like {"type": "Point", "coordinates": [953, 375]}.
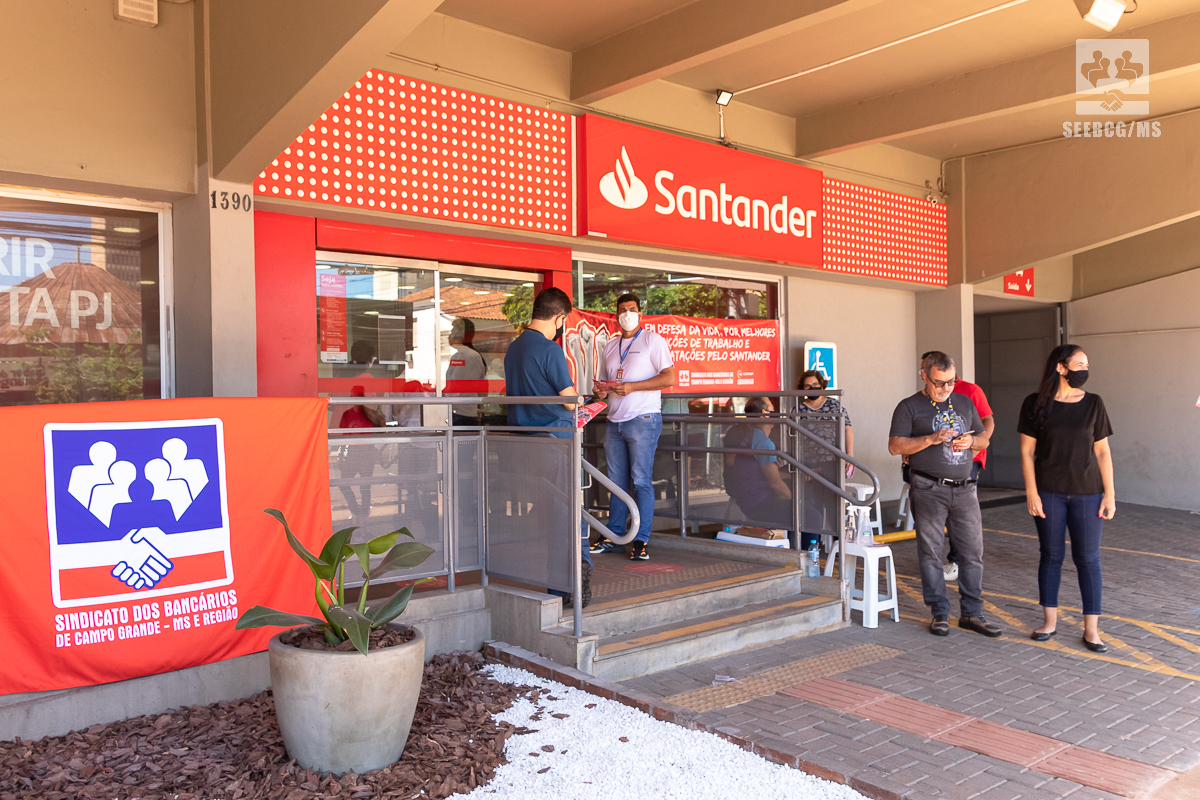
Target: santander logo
{"type": "Point", "coordinates": [622, 187]}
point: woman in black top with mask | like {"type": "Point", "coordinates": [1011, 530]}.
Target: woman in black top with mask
{"type": "Point", "coordinates": [1068, 484]}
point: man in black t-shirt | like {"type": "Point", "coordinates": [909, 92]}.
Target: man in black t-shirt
{"type": "Point", "coordinates": [940, 435]}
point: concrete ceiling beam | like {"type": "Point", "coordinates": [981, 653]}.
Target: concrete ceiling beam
{"type": "Point", "coordinates": [274, 66]}
{"type": "Point", "coordinates": [983, 96]}
{"type": "Point", "coordinates": [1033, 203]}
{"type": "Point", "coordinates": [694, 34]}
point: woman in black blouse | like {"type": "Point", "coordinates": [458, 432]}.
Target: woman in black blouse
{"type": "Point", "coordinates": [1068, 484]}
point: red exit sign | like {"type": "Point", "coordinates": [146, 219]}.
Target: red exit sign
{"type": "Point", "coordinates": [1019, 282]}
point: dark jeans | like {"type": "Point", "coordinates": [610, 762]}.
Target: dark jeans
{"type": "Point", "coordinates": [975, 470]}
{"type": "Point", "coordinates": [1080, 513]}
{"type": "Point", "coordinates": [937, 508]}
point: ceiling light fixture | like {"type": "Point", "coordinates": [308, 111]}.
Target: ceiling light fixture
{"type": "Point", "coordinates": [452, 280]}
{"type": "Point", "coordinates": [723, 98]}
{"type": "Point", "coordinates": [1104, 14]}
{"type": "Point", "coordinates": [125, 229]}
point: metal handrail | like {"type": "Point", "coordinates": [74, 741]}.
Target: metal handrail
{"type": "Point", "coordinates": [778, 420]}
{"type": "Point", "coordinates": [635, 516]}
{"type": "Point", "coordinates": [791, 423]}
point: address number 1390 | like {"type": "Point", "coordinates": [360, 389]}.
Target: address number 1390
{"type": "Point", "coordinates": [228, 200]}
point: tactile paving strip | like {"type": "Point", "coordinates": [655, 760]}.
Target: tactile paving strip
{"type": "Point", "coordinates": [602, 586]}
{"type": "Point", "coordinates": [772, 680]}
{"type": "Point", "coordinates": [1044, 754]}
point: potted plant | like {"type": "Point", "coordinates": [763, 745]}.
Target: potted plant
{"type": "Point", "coordinates": [343, 704]}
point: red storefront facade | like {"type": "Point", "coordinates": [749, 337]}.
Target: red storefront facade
{"type": "Point", "coordinates": [395, 153]}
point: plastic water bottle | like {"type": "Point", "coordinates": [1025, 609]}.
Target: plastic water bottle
{"type": "Point", "coordinates": [814, 561]}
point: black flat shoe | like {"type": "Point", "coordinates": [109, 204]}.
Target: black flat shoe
{"type": "Point", "coordinates": [1042, 637]}
{"type": "Point", "coordinates": [1095, 647]}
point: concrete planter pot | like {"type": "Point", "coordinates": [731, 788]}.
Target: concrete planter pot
{"type": "Point", "coordinates": [343, 712]}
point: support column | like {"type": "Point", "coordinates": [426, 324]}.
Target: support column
{"type": "Point", "coordinates": [946, 322]}
{"type": "Point", "coordinates": [214, 330]}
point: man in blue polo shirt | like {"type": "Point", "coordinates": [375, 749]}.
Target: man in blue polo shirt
{"type": "Point", "coordinates": [536, 366]}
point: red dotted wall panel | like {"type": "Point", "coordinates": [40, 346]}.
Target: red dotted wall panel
{"type": "Point", "coordinates": [413, 147]}
{"type": "Point", "coordinates": [883, 235]}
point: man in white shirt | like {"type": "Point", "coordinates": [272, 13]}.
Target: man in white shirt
{"type": "Point", "coordinates": [466, 364]}
{"type": "Point", "coordinates": [639, 361]}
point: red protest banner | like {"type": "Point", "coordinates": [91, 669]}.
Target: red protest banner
{"type": "Point", "coordinates": [726, 356]}
{"type": "Point", "coordinates": [136, 533]}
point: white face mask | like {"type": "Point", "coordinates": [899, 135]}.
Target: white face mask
{"type": "Point", "coordinates": [628, 320]}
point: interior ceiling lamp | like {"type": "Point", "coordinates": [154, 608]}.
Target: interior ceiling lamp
{"type": "Point", "coordinates": [1103, 14]}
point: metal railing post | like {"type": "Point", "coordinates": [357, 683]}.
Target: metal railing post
{"type": "Point", "coordinates": [798, 487]}
{"type": "Point", "coordinates": [483, 506]}
{"type": "Point", "coordinates": [683, 480]}
{"type": "Point", "coordinates": [845, 584]}
{"type": "Point", "coordinates": [576, 528]}
{"type": "Point", "coordinates": [450, 500]}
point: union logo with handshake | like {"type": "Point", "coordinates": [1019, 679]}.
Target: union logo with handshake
{"type": "Point", "coordinates": [1113, 75]}
{"type": "Point", "coordinates": [136, 507]}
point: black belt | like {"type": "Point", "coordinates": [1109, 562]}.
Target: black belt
{"type": "Point", "coordinates": [942, 481]}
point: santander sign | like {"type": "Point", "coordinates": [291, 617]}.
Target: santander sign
{"type": "Point", "coordinates": [705, 197]}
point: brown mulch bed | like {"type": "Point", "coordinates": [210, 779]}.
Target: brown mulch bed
{"type": "Point", "coordinates": [312, 638]}
{"type": "Point", "coordinates": [229, 751]}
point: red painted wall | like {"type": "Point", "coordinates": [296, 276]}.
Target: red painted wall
{"type": "Point", "coordinates": [285, 253]}
{"type": "Point", "coordinates": [401, 242]}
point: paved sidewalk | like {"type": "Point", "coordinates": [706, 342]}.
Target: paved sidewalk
{"type": "Point", "coordinates": [1140, 701]}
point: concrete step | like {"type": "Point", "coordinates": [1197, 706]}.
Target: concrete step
{"type": "Point", "coordinates": [653, 649]}
{"type": "Point", "coordinates": [676, 604]}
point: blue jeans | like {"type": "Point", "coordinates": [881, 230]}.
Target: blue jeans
{"type": "Point", "coordinates": [1081, 514]}
{"type": "Point", "coordinates": [629, 451]}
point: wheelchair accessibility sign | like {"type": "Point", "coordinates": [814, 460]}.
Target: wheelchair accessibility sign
{"type": "Point", "coordinates": [136, 510]}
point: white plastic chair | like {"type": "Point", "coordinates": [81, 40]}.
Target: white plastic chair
{"type": "Point", "coordinates": [868, 600]}
{"type": "Point", "coordinates": [904, 512]}
{"type": "Point", "coordinates": [863, 491]}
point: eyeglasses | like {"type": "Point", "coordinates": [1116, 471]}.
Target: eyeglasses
{"type": "Point", "coordinates": [944, 384]}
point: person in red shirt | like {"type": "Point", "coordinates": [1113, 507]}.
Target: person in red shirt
{"type": "Point", "coordinates": [976, 395]}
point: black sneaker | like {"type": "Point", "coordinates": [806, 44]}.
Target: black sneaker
{"type": "Point", "coordinates": [605, 546]}
{"type": "Point", "coordinates": [637, 552]}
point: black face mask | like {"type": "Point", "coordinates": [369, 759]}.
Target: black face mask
{"type": "Point", "coordinates": [558, 333]}
{"type": "Point", "coordinates": [1076, 377]}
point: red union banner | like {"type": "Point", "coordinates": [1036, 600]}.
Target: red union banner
{"type": "Point", "coordinates": [135, 532]}
{"type": "Point", "coordinates": [647, 186]}
{"type": "Point", "coordinates": [726, 356]}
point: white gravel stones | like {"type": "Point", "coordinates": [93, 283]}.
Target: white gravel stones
{"type": "Point", "coordinates": [581, 756]}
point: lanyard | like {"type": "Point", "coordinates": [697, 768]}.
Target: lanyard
{"type": "Point", "coordinates": [627, 349]}
{"type": "Point", "coordinates": [949, 410]}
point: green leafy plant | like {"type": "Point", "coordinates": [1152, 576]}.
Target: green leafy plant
{"type": "Point", "coordinates": [342, 622]}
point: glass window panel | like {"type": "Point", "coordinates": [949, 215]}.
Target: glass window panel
{"type": "Point", "coordinates": [79, 303]}
{"type": "Point", "coordinates": [684, 294]}
{"type": "Point", "coordinates": [481, 314]}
